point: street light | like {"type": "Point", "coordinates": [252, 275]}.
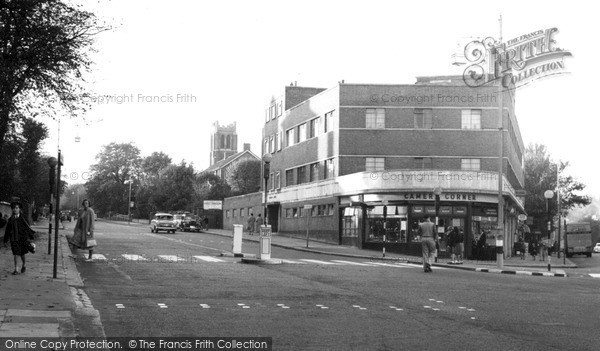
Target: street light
{"type": "Point", "coordinates": [548, 194]}
{"type": "Point", "coordinates": [129, 202]}
{"type": "Point", "coordinates": [267, 158]}
{"type": "Point", "coordinates": [52, 162]}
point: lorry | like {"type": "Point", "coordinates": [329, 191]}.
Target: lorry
{"type": "Point", "coordinates": [579, 239]}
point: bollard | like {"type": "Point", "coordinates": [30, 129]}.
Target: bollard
{"type": "Point", "coordinates": [238, 231]}
{"type": "Point", "coordinates": [549, 264]}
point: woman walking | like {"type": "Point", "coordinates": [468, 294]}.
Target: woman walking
{"type": "Point", "coordinates": [18, 232]}
{"type": "Point", "coordinates": [83, 237]}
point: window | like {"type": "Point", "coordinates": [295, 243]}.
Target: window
{"type": "Point", "coordinates": [234, 213]}
{"type": "Point", "coordinates": [278, 180]}
{"type": "Point", "coordinates": [277, 145]}
{"type": "Point", "coordinates": [300, 212]}
{"type": "Point", "coordinates": [375, 118]}
{"type": "Point", "coordinates": [313, 127]}
{"type": "Point", "coordinates": [301, 175]}
{"type": "Point", "coordinates": [314, 172]}
{"type": "Point", "coordinates": [266, 147]}
{"type": "Point", "coordinates": [279, 108]}
{"type": "Point", "coordinates": [271, 144]}
{"type": "Point", "coordinates": [314, 211]}
{"type": "Point", "coordinates": [330, 210]}
{"type": "Point", "coordinates": [423, 118]}
{"type": "Point", "coordinates": [470, 164]}
{"type": "Point", "coordinates": [295, 212]}
{"type": "Point", "coordinates": [289, 177]}
{"type": "Point", "coordinates": [241, 212]}
{"type": "Point", "coordinates": [374, 164]}
{"type": "Point", "coordinates": [302, 132]}
{"type": "Point", "coordinates": [249, 211]}
{"type": "Point", "coordinates": [280, 142]}
{"type": "Point", "coordinates": [329, 169]}
{"type": "Point", "coordinates": [328, 121]}
{"type": "Point", "coordinates": [227, 213]}
{"type": "Point", "coordinates": [288, 213]}
{"type": "Point", "coordinates": [321, 210]}
{"type": "Point", "coordinates": [272, 180]}
{"type": "Point", "coordinates": [290, 137]}
{"type": "Point", "coordinates": [471, 119]}
{"type": "Point", "coordinates": [423, 163]}
{"type": "Point", "coordinates": [267, 118]}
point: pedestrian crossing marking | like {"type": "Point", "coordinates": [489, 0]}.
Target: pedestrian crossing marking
{"type": "Point", "coordinates": [120, 305]}
{"type": "Point", "coordinates": [292, 262]}
{"type": "Point", "coordinates": [391, 265]}
{"type": "Point", "coordinates": [353, 263]}
{"type": "Point", "coordinates": [319, 262]}
{"type": "Point", "coordinates": [209, 259]}
{"type": "Point", "coordinates": [595, 275]}
{"type": "Point", "coordinates": [134, 257]}
{"type": "Point", "coordinates": [170, 258]}
{"type": "Point", "coordinates": [203, 305]}
{"type": "Point", "coordinates": [162, 305]}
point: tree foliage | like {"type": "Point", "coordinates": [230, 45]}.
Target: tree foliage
{"type": "Point", "coordinates": [245, 177]}
{"type": "Point", "coordinates": [45, 48]}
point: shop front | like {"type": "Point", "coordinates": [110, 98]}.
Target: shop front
{"type": "Point", "coordinates": [391, 221]}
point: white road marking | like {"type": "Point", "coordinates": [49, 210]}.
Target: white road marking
{"type": "Point", "coordinates": [209, 259]}
{"type": "Point", "coordinates": [292, 262]}
{"type": "Point", "coordinates": [471, 310]}
{"type": "Point", "coordinates": [595, 275]}
{"type": "Point", "coordinates": [95, 257]}
{"type": "Point", "coordinates": [352, 263]}
{"type": "Point", "coordinates": [170, 258]}
{"type": "Point", "coordinates": [162, 305]}
{"type": "Point", "coordinates": [134, 257]}
{"type": "Point", "coordinates": [319, 262]}
{"type": "Point", "coordinates": [204, 305]}
{"type": "Point", "coordinates": [391, 265]}
{"type": "Point", "coordinates": [120, 305]}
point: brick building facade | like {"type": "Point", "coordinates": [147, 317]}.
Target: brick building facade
{"type": "Point", "coordinates": [368, 157]}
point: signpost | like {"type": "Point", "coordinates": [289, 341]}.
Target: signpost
{"type": "Point", "coordinates": [264, 247]}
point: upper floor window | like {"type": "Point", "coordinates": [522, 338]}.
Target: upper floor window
{"type": "Point", "coordinates": [329, 169]}
{"type": "Point", "coordinates": [374, 164]}
{"type": "Point", "coordinates": [278, 180]}
{"type": "Point", "coordinates": [271, 144]}
{"type": "Point", "coordinates": [328, 121]}
{"type": "Point", "coordinates": [375, 118]}
{"type": "Point", "coordinates": [301, 175]}
{"type": "Point", "coordinates": [471, 119]}
{"type": "Point", "coordinates": [470, 164]}
{"type": "Point", "coordinates": [289, 177]}
{"type": "Point", "coordinates": [314, 171]}
{"type": "Point", "coordinates": [423, 118]}
{"type": "Point", "coordinates": [313, 127]}
{"type": "Point", "coordinates": [422, 163]}
{"type": "Point", "coordinates": [290, 138]}
{"type": "Point", "coordinates": [302, 132]}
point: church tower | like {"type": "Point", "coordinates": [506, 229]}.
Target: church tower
{"type": "Point", "coordinates": [223, 142]}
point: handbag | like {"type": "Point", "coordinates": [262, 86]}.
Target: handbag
{"type": "Point", "coordinates": [30, 247]}
{"type": "Point", "coordinates": [91, 243]}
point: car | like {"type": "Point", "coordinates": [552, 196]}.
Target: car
{"type": "Point", "coordinates": [597, 248]}
{"type": "Point", "coordinates": [191, 226]}
{"type": "Point", "coordinates": [178, 219]}
{"type": "Point", "coordinates": [163, 221]}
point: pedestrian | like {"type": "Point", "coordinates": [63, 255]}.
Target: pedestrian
{"type": "Point", "coordinates": [18, 232]}
{"type": "Point", "coordinates": [250, 225]}
{"type": "Point", "coordinates": [451, 235]}
{"type": "Point", "coordinates": [428, 240]}
{"type": "Point", "coordinates": [533, 248]}
{"type": "Point", "coordinates": [83, 234]}
{"type": "Point", "coordinates": [258, 223]}
{"type": "Point", "coordinates": [459, 245]}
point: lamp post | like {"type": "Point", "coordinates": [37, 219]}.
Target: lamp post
{"type": "Point", "coordinates": [52, 162]}
{"type": "Point", "coordinates": [129, 202]}
{"type": "Point", "coordinates": [548, 194]}
{"type": "Point", "coordinates": [57, 213]}
{"type": "Point", "coordinates": [267, 158]}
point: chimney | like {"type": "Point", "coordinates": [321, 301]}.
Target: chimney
{"type": "Point", "coordinates": [246, 147]}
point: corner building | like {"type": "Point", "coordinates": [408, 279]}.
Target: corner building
{"type": "Point", "coordinates": [370, 159]}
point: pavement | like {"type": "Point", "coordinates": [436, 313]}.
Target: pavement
{"type": "Point", "coordinates": [40, 303]}
{"type": "Point", "coordinates": [37, 304]}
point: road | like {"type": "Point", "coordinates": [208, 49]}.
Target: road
{"type": "Point", "coordinates": [322, 302]}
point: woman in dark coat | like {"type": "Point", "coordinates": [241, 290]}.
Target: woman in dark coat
{"type": "Point", "coordinates": [84, 229]}
{"type": "Point", "coordinates": [18, 232]}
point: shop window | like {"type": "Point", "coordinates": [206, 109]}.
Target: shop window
{"type": "Point", "coordinates": [351, 222]}
{"type": "Point", "coordinates": [387, 224]}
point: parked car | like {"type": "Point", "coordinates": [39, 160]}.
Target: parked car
{"type": "Point", "coordinates": [163, 221]}
{"type": "Point", "coordinates": [191, 226]}
{"type": "Point", "coordinates": [178, 219]}
{"type": "Point", "coordinates": [597, 248]}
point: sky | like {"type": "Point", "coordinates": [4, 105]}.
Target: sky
{"type": "Point", "coordinates": [226, 59]}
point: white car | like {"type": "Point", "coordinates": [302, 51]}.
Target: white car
{"type": "Point", "coordinates": [597, 248]}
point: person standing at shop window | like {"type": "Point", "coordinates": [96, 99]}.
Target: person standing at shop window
{"type": "Point", "coordinates": [428, 240]}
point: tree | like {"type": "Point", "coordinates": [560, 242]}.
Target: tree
{"type": "Point", "coordinates": [177, 184]}
{"type": "Point", "coordinates": [152, 166]}
{"type": "Point", "coordinates": [116, 163]}
{"type": "Point", "coordinates": [209, 186]}
{"type": "Point", "coordinates": [540, 175]}
{"type": "Point", "coordinates": [45, 47]}
{"type": "Point", "coordinates": [245, 177]}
